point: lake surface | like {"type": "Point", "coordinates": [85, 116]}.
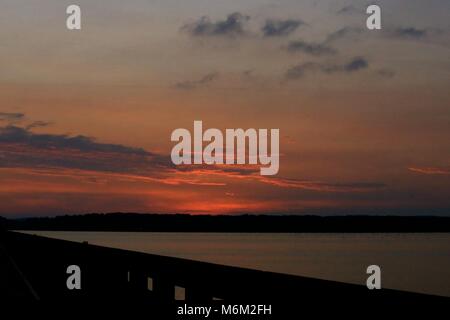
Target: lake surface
{"type": "Point", "coordinates": [413, 262]}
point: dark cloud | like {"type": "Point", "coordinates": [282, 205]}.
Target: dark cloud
{"type": "Point", "coordinates": [233, 25]}
{"type": "Point", "coordinates": [14, 118]}
{"type": "Point", "coordinates": [346, 33]}
{"type": "Point", "coordinates": [301, 70]}
{"type": "Point", "coordinates": [433, 36]}
{"type": "Point", "coordinates": [192, 84]}
{"type": "Point", "coordinates": [6, 116]}
{"type": "Point", "coordinates": [20, 147]}
{"type": "Point", "coordinates": [349, 9]}
{"type": "Point", "coordinates": [410, 33]}
{"type": "Point", "coordinates": [315, 49]}
{"type": "Point", "coordinates": [356, 64]}
{"type": "Point", "coordinates": [13, 134]}
{"type": "Point", "coordinates": [402, 33]}
{"type": "Point", "coordinates": [277, 28]}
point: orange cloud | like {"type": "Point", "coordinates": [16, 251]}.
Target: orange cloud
{"type": "Point", "coordinates": [430, 170]}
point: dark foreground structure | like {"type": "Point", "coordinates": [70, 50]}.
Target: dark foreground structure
{"type": "Point", "coordinates": [35, 268]}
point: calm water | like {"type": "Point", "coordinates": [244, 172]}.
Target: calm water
{"type": "Point", "coordinates": [413, 262]}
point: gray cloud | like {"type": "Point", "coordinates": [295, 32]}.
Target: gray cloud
{"type": "Point", "coordinates": [346, 33]}
{"type": "Point", "coordinates": [193, 84]}
{"type": "Point", "coordinates": [401, 33]}
{"type": "Point", "coordinates": [301, 70]}
{"type": "Point", "coordinates": [276, 28]}
{"type": "Point", "coordinates": [356, 64]}
{"type": "Point", "coordinates": [23, 148]}
{"type": "Point", "coordinates": [386, 73]}
{"type": "Point", "coordinates": [409, 33]}
{"type": "Point", "coordinates": [349, 9]}
{"type": "Point", "coordinates": [13, 134]}
{"type": "Point", "coordinates": [11, 117]}
{"type": "Point", "coordinates": [315, 49]}
{"type": "Point", "coordinates": [38, 124]}
{"type": "Point", "coordinates": [433, 36]}
{"type": "Point", "coordinates": [233, 25]}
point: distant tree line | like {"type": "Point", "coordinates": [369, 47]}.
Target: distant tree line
{"type": "Point", "coordinates": [227, 223]}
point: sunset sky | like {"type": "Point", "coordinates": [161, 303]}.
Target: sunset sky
{"type": "Point", "coordinates": [86, 116]}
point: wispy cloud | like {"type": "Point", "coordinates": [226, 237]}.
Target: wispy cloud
{"type": "Point", "coordinates": [11, 117]}
{"type": "Point", "coordinates": [345, 33]}
{"type": "Point", "coordinates": [14, 118]}
{"type": "Point", "coordinates": [431, 170]}
{"type": "Point", "coordinates": [232, 26]}
{"type": "Point", "coordinates": [38, 124]}
{"type": "Point", "coordinates": [311, 48]}
{"type": "Point", "coordinates": [409, 33]}
{"type": "Point", "coordinates": [402, 33]}
{"type": "Point", "coordinates": [277, 28]}
{"type": "Point", "coordinates": [301, 70]}
{"type": "Point", "coordinates": [247, 172]}
{"type": "Point", "coordinates": [349, 9]}
{"type": "Point", "coordinates": [426, 35]}
{"type": "Point", "coordinates": [386, 73]}
{"type": "Point", "coordinates": [324, 186]}
{"type": "Point", "coordinates": [193, 84]}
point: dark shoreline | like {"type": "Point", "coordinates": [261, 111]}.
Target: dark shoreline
{"type": "Point", "coordinates": [243, 223]}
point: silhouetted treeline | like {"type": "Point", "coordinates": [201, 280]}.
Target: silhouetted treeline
{"type": "Point", "coordinates": [3, 223]}
{"type": "Point", "coordinates": [243, 223]}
